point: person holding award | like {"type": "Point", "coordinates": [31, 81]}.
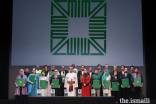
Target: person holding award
{"type": "Point", "coordinates": [115, 82]}
{"type": "Point", "coordinates": [33, 85]}
{"type": "Point", "coordinates": [71, 82]}
{"type": "Point", "coordinates": [106, 82]}
{"type": "Point", "coordinates": [85, 81]}
{"type": "Point", "coordinates": [56, 81]}
{"type": "Point", "coordinates": [137, 80]}
{"type": "Point", "coordinates": [126, 83]}
{"type": "Point", "coordinates": [21, 89]}
{"type": "Point", "coordinates": [43, 84]}
{"type": "Point", "coordinates": [96, 82]}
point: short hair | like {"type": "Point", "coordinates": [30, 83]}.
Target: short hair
{"type": "Point", "coordinates": [126, 68]}
{"type": "Point", "coordinates": [96, 69]}
{"type": "Point", "coordinates": [45, 66]}
{"type": "Point", "coordinates": [26, 67]}
{"type": "Point", "coordinates": [106, 64]}
{"type": "Point", "coordinates": [123, 66]}
{"type": "Point", "coordinates": [98, 65]}
{"type": "Point", "coordinates": [131, 66]}
{"type": "Point", "coordinates": [33, 68]}
{"type": "Point", "coordinates": [56, 70]}
{"type": "Point", "coordinates": [43, 71]}
{"type": "Point", "coordinates": [137, 68]}
{"type": "Point", "coordinates": [52, 65]}
{"type": "Point", "coordinates": [82, 65]}
{"type": "Point", "coordinates": [85, 69]}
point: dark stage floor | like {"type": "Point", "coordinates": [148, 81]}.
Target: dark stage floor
{"type": "Point", "coordinates": [67, 100]}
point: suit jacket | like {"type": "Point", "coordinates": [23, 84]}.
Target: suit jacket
{"type": "Point", "coordinates": [65, 72]}
{"type": "Point", "coordinates": [124, 77]}
{"type": "Point", "coordinates": [92, 73]}
{"type": "Point", "coordinates": [79, 80]}
{"type": "Point", "coordinates": [58, 77]}
{"type": "Point", "coordinates": [120, 73]}
{"type": "Point", "coordinates": [112, 73]}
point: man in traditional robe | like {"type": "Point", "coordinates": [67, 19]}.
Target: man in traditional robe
{"type": "Point", "coordinates": [63, 72]}
{"type": "Point", "coordinates": [71, 82]}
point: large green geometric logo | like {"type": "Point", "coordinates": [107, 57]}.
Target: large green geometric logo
{"type": "Point", "coordinates": [78, 9]}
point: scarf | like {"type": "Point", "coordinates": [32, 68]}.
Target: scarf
{"type": "Point", "coordinates": [105, 75]}
{"type": "Point", "coordinates": [135, 75]}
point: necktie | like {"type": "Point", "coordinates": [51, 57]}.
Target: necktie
{"type": "Point", "coordinates": [21, 76]}
{"type": "Point", "coordinates": [63, 72]}
{"type": "Point", "coordinates": [55, 76]}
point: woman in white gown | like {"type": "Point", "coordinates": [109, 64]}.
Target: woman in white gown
{"type": "Point", "coordinates": [106, 77]}
{"type": "Point", "coordinates": [43, 77]}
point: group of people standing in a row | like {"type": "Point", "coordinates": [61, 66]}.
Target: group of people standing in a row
{"type": "Point", "coordinates": [75, 80]}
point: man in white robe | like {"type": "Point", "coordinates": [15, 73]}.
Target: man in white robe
{"type": "Point", "coordinates": [71, 77]}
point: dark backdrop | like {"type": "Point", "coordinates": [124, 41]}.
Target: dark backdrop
{"type": "Point", "coordinates": [149, 43]}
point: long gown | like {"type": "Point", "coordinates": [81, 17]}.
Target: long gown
{"type": "Point", "coordinates": [32, 88]}
{"type": "Point", "coordinates": [109, 90]}
{"type": "Point", "coordinates": [70, 76]}
{"type": "Point", "coordinates": [85, 79]}
{"type": "Point", "coordinates": [21, 92]}
{"type": "Point", "coordinates": [44, 91]}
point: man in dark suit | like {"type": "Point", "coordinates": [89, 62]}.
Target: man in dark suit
{"type": "Point", "coordinates": [120, 74]}
{"type": "Point", "coordinates": [90, 72]}
{"type": "Point", "coordinates": [132, 86]}
{"type": "Point", "coordinates": [126, 91]}
{"type": "Point", "coordinates": [112, 73]}
{"type": "Point", "coordinates": [63, 72]}
{"type": "Point", "coordinates": [56, 76]}
{"type": "Point", "coordinates": [79, 74]}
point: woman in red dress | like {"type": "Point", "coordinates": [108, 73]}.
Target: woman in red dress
{"type": "Point", "coordinates": [85, 81]}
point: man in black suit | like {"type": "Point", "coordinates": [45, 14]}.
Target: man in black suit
{"type": "Point", "coordinates": [56, 76]}
{"type": "Point", "coordinates": [63, 72]}
{"type": "Point", "coordinates": [122, 70]}
{"type": "Point", "coordinates": [79, 74]}
{"type": "Point", "coordinates": [120, 74]}
{"type": "Point", "coordinates": [126, 91]}
{"type": "Point", "coordinates": [132, 86]}
{"type": "Point", "coordinates": [112, 73]}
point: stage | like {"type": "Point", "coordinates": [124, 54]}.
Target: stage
{"type": "Point", "coordinates": [70, 100]}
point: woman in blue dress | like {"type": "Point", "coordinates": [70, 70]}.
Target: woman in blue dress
{"type": "Point", "coordinates": [32, 87]}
